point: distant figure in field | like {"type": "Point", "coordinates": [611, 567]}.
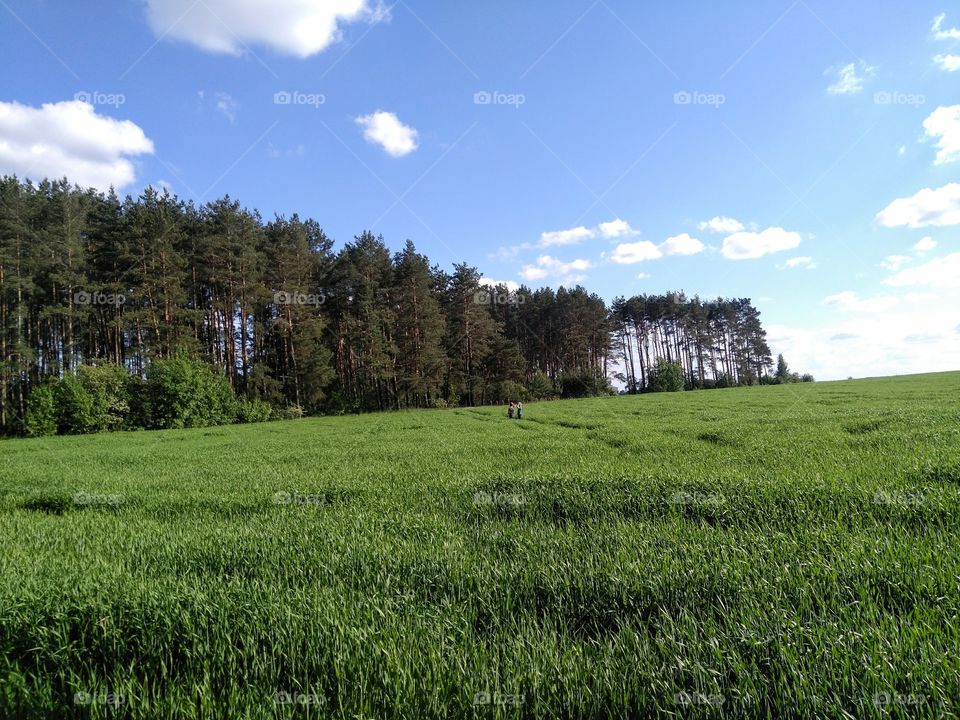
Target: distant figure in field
{"type": "Point", "coordinates": [510, 410]}
{"type": "Point", "coordinates": [519, 411]}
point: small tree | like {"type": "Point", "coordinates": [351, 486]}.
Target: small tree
{"type": "Point", "coordinates": [252, 411]}
{"type": "Point", "coordinates": [41, 416]}
{"type": "Point", "coordinates": [666, 377]}
{"type": "Point", "coordinates": [542, 387]}
{"type": "Point", "coordinates": [583, 384]}
{"type": "Point", "coordinates": [783, 371]}
{"type": "Point", "coordinates": [74, 407]}
{"type": "Point", "coordinates": [108, 386]}
{"type": "Point", "coordinates": [183, 393]}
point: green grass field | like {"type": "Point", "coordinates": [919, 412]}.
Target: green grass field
{"type": "Point", "coordinates": [786, 551]}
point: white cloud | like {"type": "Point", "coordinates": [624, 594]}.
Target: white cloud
{"type": "Point", "coordinates": [871, 344]}
{"type": "Point", "coordinates": [749, 245]}
{"type": "Point", "coordinates": [385, 129]}
{"type": "Point", "coordinates": [563, 273]}
{"type": "Point", "coordinates": [902, 150]}
{"type": "Point", "coordinates": [608, 230]}
{"type": "Point", "coordinates": [848, 82]}
{"type": "Point", "coordinates": [950, 63]}
{"type": "Point", "coordinates": [681, 244]}
{"type": "Point", "coordinates": [643, 276]}
{"type": "Point", "coordinates": [801, 261]}
{"type": "Point", "coordinates": [571, 236]}
{"type": "Point", "coordinates": [615, 229]}
{"type": "Point", "coordinates": [228, 106]}
{"type": "Point", "coordinates": [938, 31]}
{"type": "Point", "coordinates": [490, 282]}
{"type": "Point", "coordinates": [630, 253]}
{"type": "Point", "coordinates": [925, 245]}
{"type": "Point", "coordinates": [926, 208]}
{"type": "Point", "coordinates": [895, 262]}
{"type": "Point", "coordinates": [944, 123]}
{"type": "Point", "coordinates": [721, 224]}
{"type": "Point", "coordinates": [69, 139]}
{"type": "Point", "coordinates": [297, 151]}
{"type": "Point", "coordinates": [565, 237]}
{"type": "Point", "coordinates": [938, 274]}
{"type": "Point", "coordinates": [292, 27]}
{"type": "Point", "coordinates": [849, 301]}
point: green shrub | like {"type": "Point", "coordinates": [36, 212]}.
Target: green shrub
{"type": "Point", "coordinates": [292, 412]}
{"type": "Point", "coordinates": [183, 393]}
{"type": "Point", "coordinates": [252, 411]}
{"type": "Point", "coordinates": [507, 390]}
{"type": "Point", "coordinates": [108, 386]}
{"type": "Point", "coordinates": [41, 417]}
{"type": "Point", "coordinates": [74, 407]}
{"type": "Point", "coordinates": [583, 384]}
{"type": "Point", "coordinates": [667, 377]}
{"type": "Point", "coordinates": [542, 387]}
{"type": "Point", "coordinates": [139, 415]}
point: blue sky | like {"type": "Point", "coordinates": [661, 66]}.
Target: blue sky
{"type": "Point", "coordinates": [802, 153]}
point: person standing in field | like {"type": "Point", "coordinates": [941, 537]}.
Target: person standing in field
{"type": "Point", "coordinates": [519, 411]}
{"type": "Point", "coordinates": [510, 410]}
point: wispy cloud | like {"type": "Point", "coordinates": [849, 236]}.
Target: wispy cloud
{"type": "Point", "coordinates": [848, 81]}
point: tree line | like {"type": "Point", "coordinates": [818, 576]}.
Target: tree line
{"type": "Point", "coordinates": [90, 279]}
{"type": "Point", "coordinates": [715, 343]}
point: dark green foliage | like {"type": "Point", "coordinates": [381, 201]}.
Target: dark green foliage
{"type": "Point", "coordinates": [108, 385]}
{"type": "Point", "coordinates": [783, 371]}
{"type": "Point", "coordinates": [183, 393]}
{"type": "Point", "coordinates": [41, 416]}
{"type": "Point", "coordinates": [583, 384]}
{"type": "Point", "coordinates": [542, 387]}
{"type": "Point", "coordinates": [51, 504]}
{"type": "Point", "coordinates": [74, 407]}
{"type": "Point", "coordinates": [90, 279]}
{"type": "Point", "coordinates": [666, 377]}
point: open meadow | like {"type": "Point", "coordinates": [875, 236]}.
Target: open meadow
{"type": "Point", "coordinates": [780, 551]}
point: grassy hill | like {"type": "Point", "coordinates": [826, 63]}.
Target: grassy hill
{"type": "Point", "coordinates": [771, 551]}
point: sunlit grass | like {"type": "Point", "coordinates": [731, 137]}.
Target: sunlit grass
{"type": "Point", "coordinates": [758, 552]}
